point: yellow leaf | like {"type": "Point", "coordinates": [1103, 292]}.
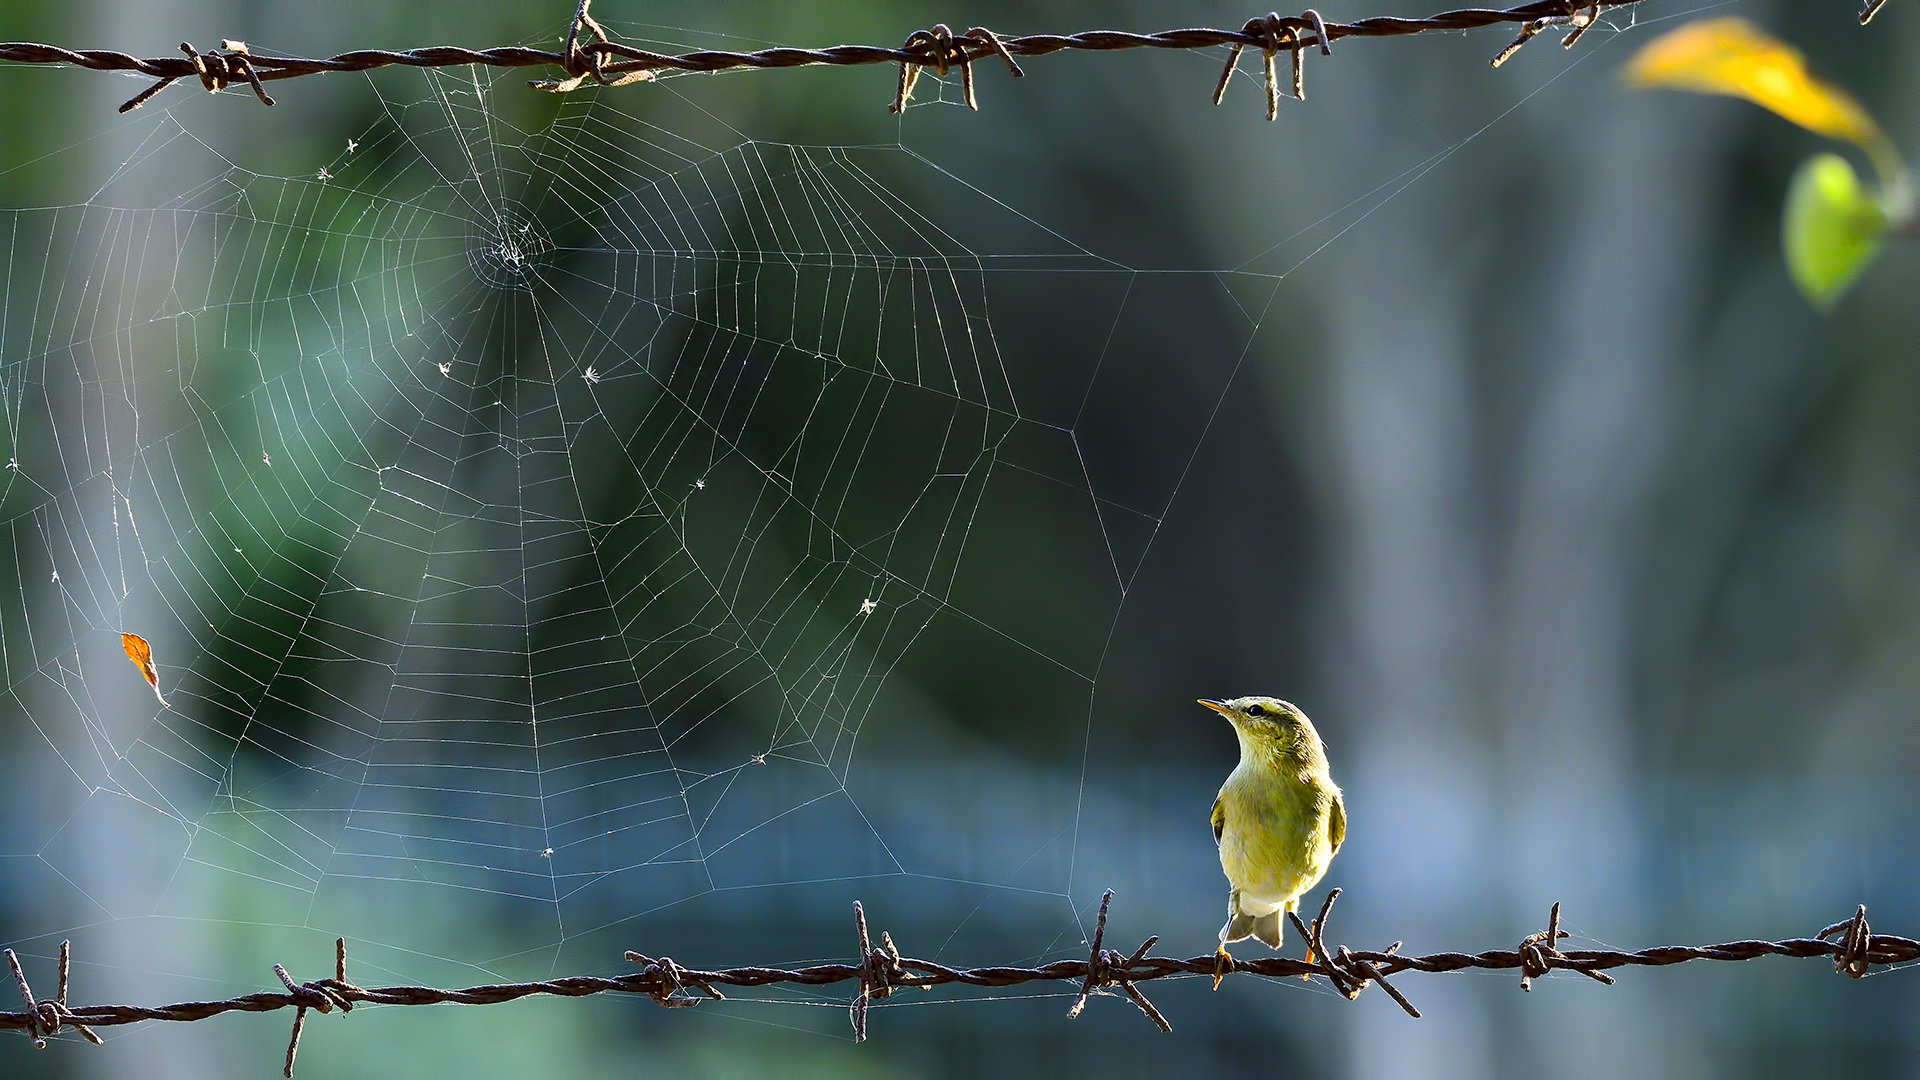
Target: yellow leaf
{"type": "Point", "coordinates": [1732, 56]}
{"type": "Point", "coordinates": [141, 654]}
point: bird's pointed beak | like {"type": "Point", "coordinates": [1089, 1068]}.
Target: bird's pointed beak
{"type": "Point", "coordinates": [1217, 706]}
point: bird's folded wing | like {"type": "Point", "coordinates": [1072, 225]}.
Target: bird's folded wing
{"type": "Point", "coordinates": [1220, 818]}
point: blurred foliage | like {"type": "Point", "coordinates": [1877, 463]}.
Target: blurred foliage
{"type": "Point", "coordinates": [1832, 229]}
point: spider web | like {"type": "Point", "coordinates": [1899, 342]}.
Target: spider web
{"type": "Point", "coordinates": [531, 517]}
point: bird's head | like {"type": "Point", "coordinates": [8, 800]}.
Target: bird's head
{"type": "Point", "coordinates": [1270, 727]}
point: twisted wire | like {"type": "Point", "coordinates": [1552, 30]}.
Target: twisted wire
{"type": "Point", "coordinates": [882, 971]}
{"type": "Point", "coordinates": [610, 62]}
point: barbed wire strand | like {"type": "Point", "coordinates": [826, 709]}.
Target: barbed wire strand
{"type": "Point", "coordinates": [590, 53]}
{"type": "Point", "coordinates": [1853, 948]}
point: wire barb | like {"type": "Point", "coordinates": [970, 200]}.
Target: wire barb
{"type": "Point", "coordinates": [1581, 24]}
{"type": "Point", "coordinates": [1274, 33]}
{"type": "Point", "coordinates": [1277, 36]}
{"type": "Point", "coordinates": [981, 33]}
{"type": "Point", "coordinates": [1299, 67]}
{"type": "Point", "coordinates": [46, 1018]}
{"type": "Point", "coordinates": [322, 995]}
{"type": "Point", "coordinates": [1580, 21]}
{"type": "Point", "coordinates": [1369, 974]}
{"type": "Point", "coordinates": [1226, 73]}
{"type": "Point", "coordinates": [1320, 31]}
{"type": "Point", "coordinates": [1316, 947]}
{"type": "Point", "coordinates": [940, 49]}
{"type": "Point", "coordinates": [581, 63]}
{"type": "Point", "coordinates": [1855, 950]}
{"type": "Point", "coordinates": [216, 69]}
{"type": "Point", "coordinates": [1349, 972]}
{"type": "Point", "coordinates": [665, 979]}
{"type": "Point", "coordinates": [1873, 8]}
{"type": "Point", "coordinates": [1106, 967]}
{"type": "Point", "coordinates": [1539, 954]}
{"type": "Point", "coordinates": [879, 972]}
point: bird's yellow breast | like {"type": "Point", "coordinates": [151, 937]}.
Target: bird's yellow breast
{"type": "Point", "coordinates": [1275, 842]}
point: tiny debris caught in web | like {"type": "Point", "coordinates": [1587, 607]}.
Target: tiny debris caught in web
{"type": "Point", "coordinates": [141, 654]}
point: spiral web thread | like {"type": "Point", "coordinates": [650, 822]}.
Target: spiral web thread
{"type": "Point", "coordinates": [527, 519]}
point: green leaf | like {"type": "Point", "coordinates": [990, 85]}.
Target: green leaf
{"type": "Point", "coordinates": [1832, 230]}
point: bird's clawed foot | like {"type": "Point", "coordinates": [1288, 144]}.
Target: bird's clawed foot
{"type": "Point", "coordinates": [1222, 963]}
{"type": "Point", "coordinates": [1310, 959]}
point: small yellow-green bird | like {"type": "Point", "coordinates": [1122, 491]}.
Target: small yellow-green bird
{"type": "Point", "coordinates": [1279, 819]}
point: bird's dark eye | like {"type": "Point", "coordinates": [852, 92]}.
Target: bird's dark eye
{"type": "Point", "coordinates": [1256, 710]}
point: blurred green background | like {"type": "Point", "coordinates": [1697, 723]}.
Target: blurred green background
{"type": "Point", "coordinates": [1470, 410]}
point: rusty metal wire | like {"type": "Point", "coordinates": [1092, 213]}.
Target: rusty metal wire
{"type": "Point", "coordinates": [590, 54]}
{"type": "Point", "coordinates": [1853, 948]}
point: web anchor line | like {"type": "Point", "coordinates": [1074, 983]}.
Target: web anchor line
{"type": "Point", "coordinates": [591, 55]}
{"type": "Point", "coordinates": [1850, 944]}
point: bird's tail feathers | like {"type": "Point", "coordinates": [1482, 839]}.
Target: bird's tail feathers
{"type": "Point", "coordinates": [1241, 926]}
{"type": "Point", "coordinates": [1267, 929]}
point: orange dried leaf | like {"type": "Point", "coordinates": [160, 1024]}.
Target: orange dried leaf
{"type": "Point", "coordinates": [141, 654]}
{"type": "Point", "coordinates": [1732, 56]}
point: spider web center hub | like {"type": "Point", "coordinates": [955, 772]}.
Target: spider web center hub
{"type": "Point", "coordinates": [508, 251]}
